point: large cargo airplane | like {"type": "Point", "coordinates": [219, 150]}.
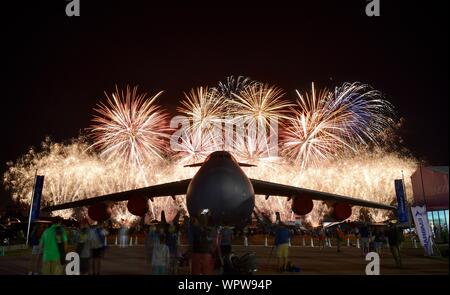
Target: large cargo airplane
{"type": "Point", "coordinates": [221, 188]}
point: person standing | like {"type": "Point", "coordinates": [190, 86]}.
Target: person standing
{"type": "Point", "coordinates": [379, 240]}
{"type": "Point", "coordinates": [339, 238]}
{"type": "Point", "coordinates": [226, 238]}
{"type": "Point", "coordinates": [160, 257]}
{"type": "Point", "coordinates": [395, 239]}
{"type": "Point", "coordinates": [191, 223]}
{"type": "Point", "coordinates": [328, 235]}
{"type": "Point", "coordinates": [282, 246]}
{"type": "Point", "coordinates": [202, 262]}
{"type": "Point", "coordinates": [54, 245]}
{"type": "Point", "coordinates": [36, 251]}
{"type": "Point", "coordinates": [365, 235]}
{"type": "Point", "coordinates": [357, 235]}
{"type": "Point", "coordinates": [150, 240]}
{"type": "Point", "coordinates": [321, 238]}
{"type": "Point", "coordinates": [123, 234]}
{"type": "Point", "coordinates": [172, 243]}
{"type": "Point", "coordinates": [97, 242]}
{"type": "Point", "coordinates": [84, 249]}
{"type": "Point", "coordinates": [216, 250]}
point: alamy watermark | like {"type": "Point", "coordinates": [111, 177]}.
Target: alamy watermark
{"type": "Point", "coordinates": [73, 263]}
{"type": "Point", "coordinates": [373, 8]}
{"type": "Point", "coordinates": [373, 267]}
{"type": "Point", "coordinates": [73, 8]}
{"type": "Point", "coordinates": [233, 134]}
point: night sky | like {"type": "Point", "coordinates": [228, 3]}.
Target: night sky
{"type": "Point", "coordinates": [55, 68]}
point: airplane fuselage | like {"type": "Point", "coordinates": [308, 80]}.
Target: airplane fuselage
{"type": "Point", "coordinates": [222, 188]}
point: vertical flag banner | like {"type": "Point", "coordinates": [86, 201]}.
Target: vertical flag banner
{"type": "Point", "coordinates": [401, 202]}
{"type": "Point", "coordinates": [36, 205]}
{"type": "Point", "coordinates": [423, 228]}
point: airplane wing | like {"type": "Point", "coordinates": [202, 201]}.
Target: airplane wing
{"type": "Point", "coordinates": [275, 189]}
{"type": "Point", "coordinates": [160, 190]}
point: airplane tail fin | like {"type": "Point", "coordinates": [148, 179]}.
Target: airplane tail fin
{"type": "Point", "coordinates": [163, 217]}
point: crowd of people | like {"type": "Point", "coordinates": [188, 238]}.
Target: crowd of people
{"type": "Point", "coordinates": [50, 245]}
{"type": "Point", "coordinates": [377, 238]}
{"type": "Point", "coordinates": [210, 247]}
{"type": "Point", "coordinates": [368, 238]}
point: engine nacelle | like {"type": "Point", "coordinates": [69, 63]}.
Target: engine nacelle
{"type": "Point", "coordinates": [99, 212]}
{"type": "Point", "coordinates": [302, 206]}
{"type": "Point", "coordinates": [342, 211]}
{"type": "Point", "coordinates": [138, 206]}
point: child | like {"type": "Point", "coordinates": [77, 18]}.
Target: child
{"type": "Point", "coordinates": [160, 257]}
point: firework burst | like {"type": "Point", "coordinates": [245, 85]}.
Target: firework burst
{"type": "Point", "coordinates": [364, 112]}
{"type": "Point", "coordinates": [260, 102]}
{"type": "Point", "coordinates": [259, 108]}
{"type": "Point", "coordinates": [345, 123]}
{"type": "Point", "coordinates": [74, 172]}
{"type": "Point", "coordinates": [204, 108]}
{"type": "Point", "coordinates": [234, 85]}
{"type": "Point", "coordinates": [327, 124]}
{"type": "Point", "coordinates": [131, 127]}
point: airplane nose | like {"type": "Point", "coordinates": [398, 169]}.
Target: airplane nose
{"type": "Point", "coordinates": [226, 193]}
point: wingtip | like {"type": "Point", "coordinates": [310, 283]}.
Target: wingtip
{"type": "Point", "coordinates": [246, 165]}
{"type": "Point", "coordinates": [193, 165]}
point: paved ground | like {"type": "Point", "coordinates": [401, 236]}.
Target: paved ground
{"type": "Point", "coordinates": [131, 261]}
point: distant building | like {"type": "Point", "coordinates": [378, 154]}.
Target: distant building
{"type": "Point", "coordinates": [430, 188]}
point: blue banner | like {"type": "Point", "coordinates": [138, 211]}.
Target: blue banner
{"type": "Point", "coordinates": [401, 202]}
{"type": "Point", "coordinates": [36, 206]}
